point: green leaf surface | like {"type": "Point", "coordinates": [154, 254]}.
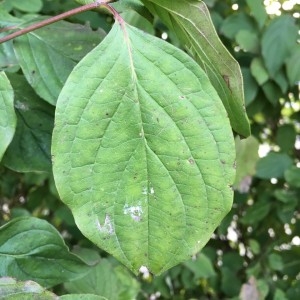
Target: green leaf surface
{"type": "Point", "coordinates": [11, 289]}
{"type": "Point", "coordinates": [33, 249]}
{"type": "Point", "coordinates": [278, 41]}
{"type": "Point", "coordinates": [191, 22]}
{"type": "Point", "coordinates": [259, 71]}
{"type": "Point", "coordinates": [248, 41]}
{"type": "Point", "coordinates": [7, 113]}
{"type": "Point", "coordinates": [258, 11]}
{"type": "Point", "coordinates": [273, 165]}
{"type": "Point", "coordinates": [143, 154]}
{"type": "Point", "coordinates": [28, 5]}
{"type": "Point", "coordinates": [30, 147]}
{"type": "Point", "coordinates": [251, 87]}
{"type": "Point", "coordinates": [236, 22]}
{"type": "Point", "coordinates": [286, 137]}
{"type": "Point", "coordinates": [48, 55]}
{"type": "Point", "coordinates": [201, 267]}
{"type": "Point", "coordinates": [107, 280]}
{"type": "Point", "coordinates": [293, 67]}
{"type": "Point", "coordinates": [292, 176]}
{"type": "Point", "coordinates": [82, 297]}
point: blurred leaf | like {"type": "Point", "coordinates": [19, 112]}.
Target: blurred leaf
{"type": "Point", "coordinates": [233, 261]}
{"type": "Point", "coordinates": [248, 41]}
{"type": "Point", "coordinates": [10, 289]}
{"type": "Point", "coordinates": [280, 295]}
{"type": "Point", "coordinates": [135, 19]}
{"type": "Point", "coordinates": [286, 137]}
{"type": "Point", "coordinates": [246, 159]}
{"type": "Point", "coordinates": [236, 22]}
{"type": "Point", "coordinates": [105, 279]}
{"type": "Point", "coordinates": [272, 92]}
{"type": "Point", "coordinates": [41, 255]}
{"type": "Point", "coordinates": [257, 212]}
{"type": "Point", "coordinates": [292, 176]}
{"type": "Point", "coordinates": [201, 267]}
{"type": "Point", "coordinates": [258, 11]}
{"type": "Point", "coordinates": [28, 5]}
{"type": "Point", "coordinates": [251, 87]}
{"type": "Point", "coordinates": [273, 165]}
{"type": "Point", "coordinates": [254, 246]}
{"type": "Point", "coordinates": [259, 71]}
{"type": "Point", "coordinates": [7, 114]}
{"type": "Point", "coordinates": [82, 297]}
{"type": "Point", "coordinates": [230, 283]}
{"type": "Point", "coordinates": [30, 147]}
{"type": "Point", "coordinates": [275, 262]}
{"type": "Point", "coordinates": [293, 66]}
{"type": "Point", "coordinates": [281, 81]}
{"type": "Point", "coordinates": [277, 42]}
{"type": "Point", "coordinates": [48, 55]}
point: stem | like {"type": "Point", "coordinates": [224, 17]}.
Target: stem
{"type": "Point", "coordinates": [54, 19]}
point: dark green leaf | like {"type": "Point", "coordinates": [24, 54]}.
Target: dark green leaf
{"type": "Point", "coordinates": [31, 248]}
{"type": "Point", "coordinates": [293, 67]}
{"type": "Point", "coordinates": [201, 267]}
{"type": "Point", "coordinates": [259, 71]}
{"type": "Point", "coordinates": [48, 55]}
{"type": "Point", "coordinates": [273, 165]}
{"type": "Point", "coordinates": [248, 41]}
{"type": "Point", "coordinates": [258, 11]}
{"type": "Point", "coordinates": [30, 147]}
{"type": "Point", "coordinates": [286, 137]}
{"type": "Point", "coordinates": [292, 176]}
{"type": "Point", "coordinates": [251, 87]}
{"type": "Point", "coordinates": [139, 160]}
{"type": "Point", "coordinates": [236, 22]}
{"type": "Point", "coordinates": [277, 42]}
{"type": "Point", "coordinates": [28, 5]}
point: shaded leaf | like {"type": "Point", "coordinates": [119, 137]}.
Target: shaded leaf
{"type": "Point", "coordinates": [30, 147]}
{"type": "Point", "coordinates": [48, 55]}
{"type": "Point", "coordinates": [147, 145]}
{"type": "Point", "coordinates": [258, 11]}
{"type": "Point", "coordinates": [259, 71]}
{"type": "Point", "coordinates": [292, 176]}
{"type": "Point", "coordinates": [277, 42]}
{"type": "Point", "coordinates": [7, 113]}
{"type": "Point", "coordinates": [248, 41]}
{"type": "Point", "coordinates": [28, 6]}
{"type": "Point", "coordinates": [251, 87]}
{"type": "Point", "coordinates": [42, 255]}
{"type": "Point", "coordinates": [201, 267]}
{"type": "Point", "coordinates": [191, 22]}
{"type": "Point", "coordinates": [273, 165]}
{"type": "Point", "coordinates": [293, 67]}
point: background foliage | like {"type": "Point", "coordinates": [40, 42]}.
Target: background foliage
{"type": "Point", "coordinates": [254, 254]}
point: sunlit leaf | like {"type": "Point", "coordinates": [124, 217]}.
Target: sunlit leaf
{"type": "Point", "coordinates": [143, 154]}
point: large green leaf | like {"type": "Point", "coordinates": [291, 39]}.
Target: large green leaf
{"type": "Point", "coordinates": [48, 55]}
{"type": "Point", "coordinates": [30, 147]}
{"type": "Point", "coordinates": [143, 151]}
{"type": "Point", "coordinates": [7, 113]}
{"type": "Point", "coordinates": [31, 248]}
{"type": "Point", "coordinates": [192, 24]}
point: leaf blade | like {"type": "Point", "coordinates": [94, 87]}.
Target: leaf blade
{"type": "Point", "coordinates": [134, 189]}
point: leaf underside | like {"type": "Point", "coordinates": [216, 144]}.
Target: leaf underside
{"type": "Point", "coordinates": [143, 151]}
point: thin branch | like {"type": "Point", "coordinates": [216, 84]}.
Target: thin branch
{"type": "Point", "coordinates": [53, 20]}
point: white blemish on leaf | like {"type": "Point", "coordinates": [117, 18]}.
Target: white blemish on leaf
{"type": "Point", "coordinates": [151, 190]}
{"type": "Point", "coordinates": [144, 192]}
{"type": "Point", "coordinates": [107, 227]}
{"type": "Point", "coordinates": [21, 106]}
{"type": "Point", "coordinates": [135, 212]}
{"type": "Point", "coordinates": [144, 270]}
